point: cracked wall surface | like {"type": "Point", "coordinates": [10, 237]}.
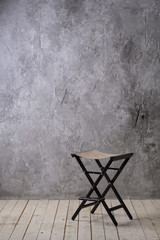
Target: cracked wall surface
{"type": "Point", "coordinates": [77, 75]}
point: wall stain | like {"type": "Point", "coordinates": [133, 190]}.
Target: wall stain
{"type": "Point", "coordinates": [131, 52]}
{"type": "Point", "coordinates": [137, 117]}
{"type": "Point", "coordinates": [64, 96]}
{"type": "Point", "coordinates": [73, 6]}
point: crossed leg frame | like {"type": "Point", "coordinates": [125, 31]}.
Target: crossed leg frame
{"type": "Point", "coordinates": [101, 197]}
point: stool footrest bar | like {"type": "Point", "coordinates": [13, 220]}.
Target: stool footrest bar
{"type": "Point", "coordinates": [116, 207]}
{"type": "Point", "coordinates": [90, 204]}
{"type": "Point", "coordinates": [91, 172]}
{"type": "Point", "coordinates": [112, 168]}
{"type": "Point", "coordinates": [92, 199]}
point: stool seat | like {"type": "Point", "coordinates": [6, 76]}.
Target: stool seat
{"type": "Point", "coordinates": [94, 154]}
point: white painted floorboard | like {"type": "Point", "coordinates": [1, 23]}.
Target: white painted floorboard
{"type": "Point", "coordinates": [51, 220]}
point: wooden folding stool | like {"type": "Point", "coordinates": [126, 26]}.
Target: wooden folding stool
{"type": "Point", "coordinates": [97, 156]}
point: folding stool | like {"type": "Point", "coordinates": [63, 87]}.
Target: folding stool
{"type": "Point", "coordinates": [96, 155]}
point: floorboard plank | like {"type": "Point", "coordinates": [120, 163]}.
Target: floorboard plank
{"type": "Point", "coordinates": [128, 229]}
{"type": "Point", "coordinates": [60, 220]}
{"type": "Point", "coordinates": [48, 221]}
{"type": "Point", "coordinates": [97, 227]}
{"type": "Point", "coordinates": [11, 222]}
{"type": "Point", "coordinates": [109, 228]}
{"type": "Point", "coordinates": [24, 221]}
{"type": "Point", "coordinates": [34, 226]}
{"type": "Point", "coordinates": [84, 231]}
{"type": "Point", "coordinates": [153, 209]}
{"type": "Point", "coordinates": [71, 231]}
{"type": "Point", "coordinates": [156, 203]}
{"type": "Point", "coordinates": [6, 211]}
{"type": "Point", "coordinates": [2, 204]}
{"type": "Point", "coordinates": [145, 221]}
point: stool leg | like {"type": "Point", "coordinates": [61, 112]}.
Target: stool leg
{"type": "Point", "coordinates": [94, 185]}
{"type": "Point", "coordinates": [78, 210]}
{"type": "Point", "coordinates": [94, 208]}
{"type": "Point", "coordinates": [113, 188]}
{"type": "Point", "coordinates": [121, 201]}
{"type": "Point", "coordinates": [103, 195]}
{"type": "Point", "coordinates": [109, 213]}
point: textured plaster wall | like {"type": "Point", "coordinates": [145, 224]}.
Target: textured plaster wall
{"type": "Point", "coordinates": [77, 75]}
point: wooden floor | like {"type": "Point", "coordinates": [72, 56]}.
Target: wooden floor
{"type": "Point", "coordinates": [51, 219]}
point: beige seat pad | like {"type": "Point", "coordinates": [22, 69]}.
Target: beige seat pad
{"type": "Point", "coordinates": [94, 154]}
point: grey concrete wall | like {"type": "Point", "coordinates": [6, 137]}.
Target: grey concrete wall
{"type": "Point", "coordinates": [77, 75]}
